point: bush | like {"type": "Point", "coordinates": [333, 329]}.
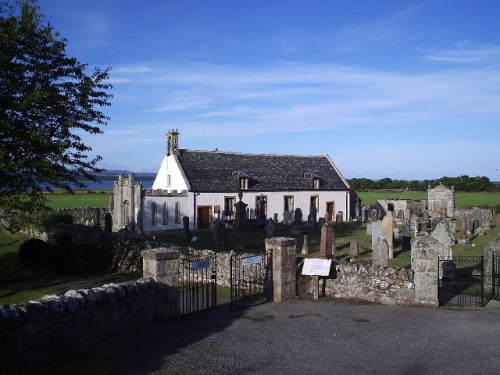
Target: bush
{"type": "Point", "coordinates": [47, 221]}
{"type": "Point", "coordinates": [33, 253]}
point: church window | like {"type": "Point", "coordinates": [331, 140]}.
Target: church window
{"type": "Point", "coordinates": [288, 203]}
{"type": "Point", "coordinates": [177, 213]}
{"type": "Point", "coordinates": [229, 203]}
{"type": "Point", "coordinates": [154, 212]}
{"type": "Point", "coordinates": [315, 201]}
{"type": "Point", "coordinates": [244, 183]}
{"type": "Point", "coordinates": [165, 214]}
{"type": "Point", "coordinates": [169, 180]}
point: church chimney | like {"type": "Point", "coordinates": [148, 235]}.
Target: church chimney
{"type": "Point", "coordinates": [173, 142]}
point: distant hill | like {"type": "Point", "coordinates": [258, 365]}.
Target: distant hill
{"type": "Point", "coordinates": [112, 175]}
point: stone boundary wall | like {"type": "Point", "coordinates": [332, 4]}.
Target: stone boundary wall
{"type": "Point", "coordinates": [39, 331]}
{"type": "Point", "coordinates": [83, 214]}
{"type": "Point", "coordinates": [371, 283]}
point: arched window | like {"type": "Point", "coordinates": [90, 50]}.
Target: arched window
{"type": "Point", "coordinates": [177, 213]}
{"type": "Point", "coordinates": [165, 214]}
{"type": "Point", "coordinates": [154, 212]}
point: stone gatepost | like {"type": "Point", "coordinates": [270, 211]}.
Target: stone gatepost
{"type": "Point", "coordinates": [162, 264]}
{"type": "Point", "coordinates": [424, 262]}
{"type": "Point", "coordinates": [283, 251]}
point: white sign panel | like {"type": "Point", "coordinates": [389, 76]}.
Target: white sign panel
{"type": "Point", "coordinates": [251, 260]}
{"type": "Point", "coordinates": [316, 267]}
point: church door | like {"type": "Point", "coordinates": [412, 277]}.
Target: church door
{"type": "Point", "coordinates": [330, 210]}
{"type": "Point", "coordinates": [204, 214]}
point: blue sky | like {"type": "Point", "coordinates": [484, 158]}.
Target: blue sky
{"type": "Point", "coordinates": [400, 89]}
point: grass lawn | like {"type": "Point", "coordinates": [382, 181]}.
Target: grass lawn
{"type": "Point", "coordinates": [462, 199]}
{"type": "Point", "coordinates": [80, 198]}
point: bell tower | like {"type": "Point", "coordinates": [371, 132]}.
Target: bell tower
{"type": "Point", "coordinates": [173, 142]}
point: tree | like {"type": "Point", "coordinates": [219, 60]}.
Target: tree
{"type": "Point", "coordinates": [47, 102]}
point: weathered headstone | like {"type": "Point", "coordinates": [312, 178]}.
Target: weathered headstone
{"type": "Point", "coordinates": [424, 261]}
{"type": "Point", "coordinates": [326, 242]}
{"type": "Point", "coordinates": [387, 232]}
{"type": "Point", "coordinates": [321, 222]}
{"type": "Point", "coordinates": [339, 218]}
{"type": "Point", "coordinates": [270, 228]}
{"type": "Point", "coordinates": [260, 211]}
{"type": "Point", "coordinates": [376, 232]}
{"type": "Point", "coordinates": [312, 217]}
{"type": "Point", "coordinates": [369, 228]}
{"type": "Point", "coordinates": [240, 216]}
{"type": "Point", "coordinates": [353, 244]}
{"type": "Point", "coordinates": [186, 234]}
{"type": "Point", "coordinates": [463, 228]}
{"type": "Point", "coordinates": [406, 238]}
{"type": "Point", "coordinates": [305, 246]}
{"type": "Point", "coordinates": [381, 253]}
{"type": "Point", "coordinates": [108, 222]}
{"type": "Point", "coordinates": [442, 235]}
{"type": "Point", "coordinates": [275, 217]}
{"type": "Point", "coordinates": [216, 235]}
{"type": "Point", "coordinates": [298, 227]}
{"type": "Point", "coordinates": [96, 218]}
{"type": "Point", "coordinates": [287, 218]}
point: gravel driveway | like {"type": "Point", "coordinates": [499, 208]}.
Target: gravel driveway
{"type": "Point", "coordinates": [303, 337]}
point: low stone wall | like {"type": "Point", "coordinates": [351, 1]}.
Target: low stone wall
{"type": "Point", "coordinates": [84, 215]}
{"type": "Point", "coordinates": [371, 283]}
{"type": "Point", "coordinates": [54, 326]}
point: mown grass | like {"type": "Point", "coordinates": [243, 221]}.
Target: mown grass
{"type": "Point", "coordinates": [483, 199]}
{"type": "Point", "coordinates": [80, 198]}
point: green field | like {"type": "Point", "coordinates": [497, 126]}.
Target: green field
{"type": "Point", "coordinates": [100, 198]}
{"type": "Point", "coordinates": [80, 198]}
{"type": "Point", "coordinates": [462, 199]}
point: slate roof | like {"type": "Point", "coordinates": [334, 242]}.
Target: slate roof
{"type": "Point", "coordinates": [215, 171]}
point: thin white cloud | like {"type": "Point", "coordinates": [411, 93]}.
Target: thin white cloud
{"type": "Point", "coordinates": [466, 54]}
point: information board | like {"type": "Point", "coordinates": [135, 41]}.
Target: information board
{"type": "Point", "coordinates": [256, 259]}
{"type": "Point", "coordinates": [200, 264]}
{"type": "Point", "coordinates": [316, 267]}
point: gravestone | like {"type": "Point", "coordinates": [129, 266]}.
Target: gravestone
{"type": "Point", "coordinates": [108, 222]}
{"type": "Point", "coordinates": [353, 244]}
{"type": "Point", "coordinates": [376, 232]}
{"type": "Point", "coordinates": [369, 228]}
{"type": "Point", "coordinates": [339, 218]}
{"type": "Point", "coordinates": [97, 219]}
{"type": "Point", "coordinates": [406, 238]}
{"type": "Point", "coordinates": [275, 217]}
{"type": "Point", "coordinates": [240, 216]}
{"type": "Point", "coordinates": [373, 215]}
{"type": "Point", "coordinates": [396, 234]}
{"type": "Point", "coordinates": [463, 228]}
{"type": "Point", "coordinates": [381, 253]}
{"type": "Point", "coordinates": [444, 237]}
{"type": "Point", "coordinates": [452, 227]}
{"type": "Point", "coordinates": [363, 214]}
{"type": "Point", "coordinates": [270, 228]}
{"type": "Point", "coordinates": [357, 210]}
{"type": "Point", "coordinates": [326, 242]}
{"type": "Point", "coordinates": [216, 235]}
{"type": "Point", "coordinates": [186, 234]}
{"type": "Point", "coordinates": [312, 218]}
{"type": "Point", "coordinates": [424, 262]}
{"type": "Point", "coordinates": [305, 246]}
{"type": "Point", "coordinates": [260, 211]}
{"type": "Point", "coordinates": [287, 218]}
{"type": "Point", "coordinates": [388, 233]}
{"type": "Point", "coordinates": [321, 222]}
{"type": "Point", "coordinates": [298, 227]}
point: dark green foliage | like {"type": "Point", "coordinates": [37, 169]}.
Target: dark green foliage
{"type": "Point", "coordinates": [462, 183]}
{"type": "Point", "coordinates": [48, 100]}
{"type": "Point", "coordinates": [48, 220]}
{"type": "Point", "coordinates": [33, 253]}
{"type": "Point", "coordinates": [62, 256]}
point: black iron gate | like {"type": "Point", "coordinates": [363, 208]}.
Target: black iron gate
{"type": "Point", "coordinates": [197, 283]}
{"type": "Point", "coordinates": [494, 275]}
{"type": "Point", "coordinates": [461, 281]}
{"type": "Point", "coordinates": [251, 280]}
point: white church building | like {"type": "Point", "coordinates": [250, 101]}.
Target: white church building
{"type": "Point", "coordinates": [205, 185]}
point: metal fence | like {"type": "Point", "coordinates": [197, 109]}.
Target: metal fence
{"type": "Point", "coordinates": [251, 280]}
{"type": "Point", "coordinates": [197, 283]}
{"type": "Point", "coordinates": [461, 281]}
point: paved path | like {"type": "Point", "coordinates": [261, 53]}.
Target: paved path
{"type": "Point", "coordinates": [304, 337]}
